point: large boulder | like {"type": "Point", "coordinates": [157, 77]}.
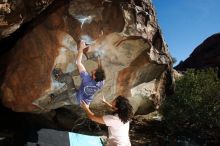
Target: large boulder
{"type": "Point", "coordinates": [124, 34]}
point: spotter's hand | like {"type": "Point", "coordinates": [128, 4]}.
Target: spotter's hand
{"type": "Point", "coordinates": [103, 99]}
{"type": "Point", "coordinates": [84, 105]}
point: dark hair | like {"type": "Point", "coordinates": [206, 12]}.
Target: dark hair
{"type": "Point", "coordinates": [99, 75]}
{"type": "Point", "coordinates": [124, 109]}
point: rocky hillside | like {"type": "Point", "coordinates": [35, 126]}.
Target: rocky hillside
{"type": "Point", "coordinates": [207, 54]}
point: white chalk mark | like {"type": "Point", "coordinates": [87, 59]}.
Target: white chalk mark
{"type": "Point", "coordinates": [84, 19]}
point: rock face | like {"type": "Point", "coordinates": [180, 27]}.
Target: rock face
{"type": "Point", "coordinates": [205, 55]}
{"type": "Point", "coordinates": [15, 13]}
{"type": "Point", "coordinates": [124, 34]}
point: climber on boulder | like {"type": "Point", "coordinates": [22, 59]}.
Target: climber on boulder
{"type": "Point", "coordinates": [68, 94]}
{"type": "Point", "coordinates": [89, 85]}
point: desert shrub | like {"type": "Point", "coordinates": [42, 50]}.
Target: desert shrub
{"type": "Point", "coordinates": [174, 60]}
{"type": "Point", "coordinates": [195, 103]}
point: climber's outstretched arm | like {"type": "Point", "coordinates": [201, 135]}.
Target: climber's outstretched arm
{"type": "Point", "coordinates": [79, 64]}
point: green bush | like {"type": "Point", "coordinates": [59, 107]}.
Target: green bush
{"type": "Point", "coordinates": [174, 60]}
{"type": "Point", "coordinates": [195, 103]}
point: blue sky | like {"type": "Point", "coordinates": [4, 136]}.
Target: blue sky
{"type": "Point", "coordinates": [187, 23]}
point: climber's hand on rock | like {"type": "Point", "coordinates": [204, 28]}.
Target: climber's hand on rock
{"type": "Point", "coordinates": [82, 45]}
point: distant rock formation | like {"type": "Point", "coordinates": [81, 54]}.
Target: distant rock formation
{"type": "Point", "coordinates": [124, 33]}
{"type": "Point", "coordinates": [205, 55]}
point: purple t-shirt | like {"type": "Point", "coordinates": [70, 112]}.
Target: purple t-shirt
{"type": "Point", "coordinates": [87, 88]}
